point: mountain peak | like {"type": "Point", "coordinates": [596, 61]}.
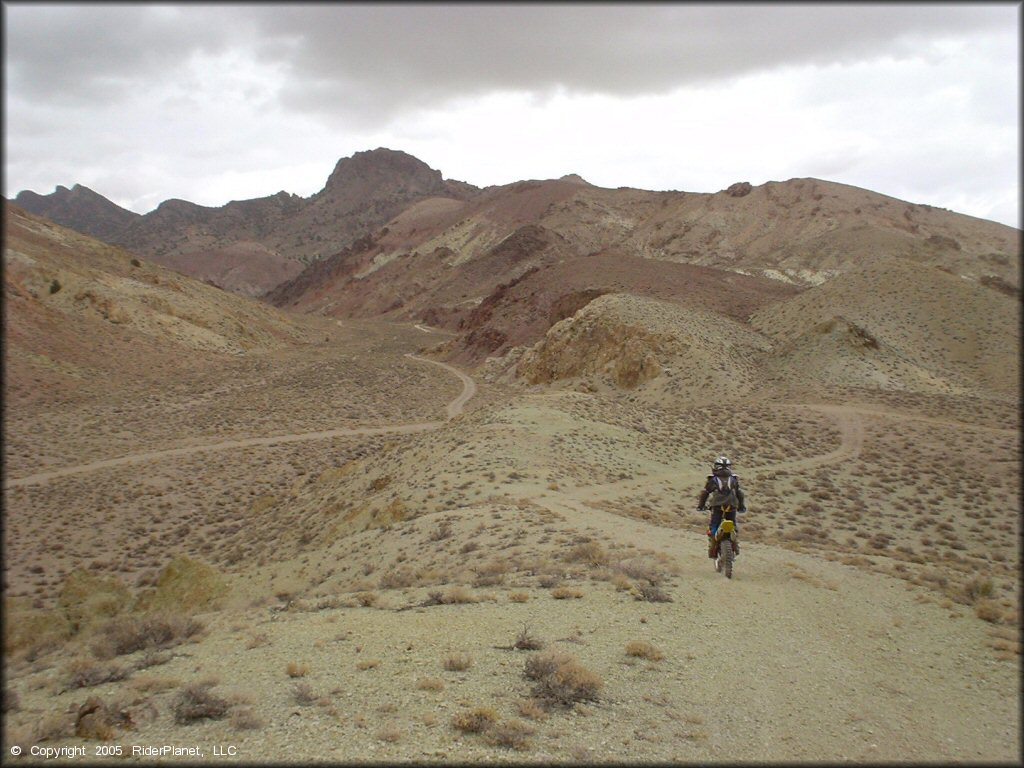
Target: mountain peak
{"type": "Point", "coordinates": [378, 169]}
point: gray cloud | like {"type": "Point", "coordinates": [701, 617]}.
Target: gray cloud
{"type": "Point", "coordinates": [375, 60]}
{"type": "Point", "coordinates": [209, 96]}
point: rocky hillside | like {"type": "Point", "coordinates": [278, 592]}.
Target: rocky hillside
{"type": "Point", "coordinates": [75, 308]}
{"type": "Point", "coordinates": [249, 246]}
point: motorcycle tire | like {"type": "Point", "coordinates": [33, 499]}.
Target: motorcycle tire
{"type": "Point", "coordinates": [725, 553]}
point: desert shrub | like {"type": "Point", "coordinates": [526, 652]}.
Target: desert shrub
{"type": "Point", "coordinates": [509, 734]}
{"type": "Point", "coordinates": [644, 650]}
{"type": "Point", "coordinates": [442, 532]}
{"type": "Point", "coordinates": [650, 593]}
{"type": "Point", "coordinates": [257, 641]}
{"type": "Point", "coordinates": [304, 694]}
{"type": "Point", "coordinates": [540, 665]}
{"type": "Point", "coordinates": [86, 598]}
{"type": "Point", "coordinates": [530, 708]}
{"type": "Point", "coordinates": [196, 702]}
{"type": "Point", "coordinates": [245, 720]}
{"type": "Point", "coordinates": [97, 720]}
{"type": "Point", "coordinates": [297, 669]}
{"type": "Point", "coordinates": [988, 610]}
{"type": "Point", "coordinates": [368, 599]}
{"type": "Point", "coordinates": [518, 597]}
{"type": "Point", "coordinates": [129, 633]}
{"type": "Point", "coordinates": [183, 585]}
{"type": "Point", "coordinates": [476, 720]}
{"type": "Point", "coordinates": [33, 629]}
{"type": "Point", "coordinates": [85, 673]}
{"type": "Point", "coordinates": [458, 596]}
{"type": "Point", "coordinates": [641, 569]}
{"type": "Point", "coordinates": [525, 641]}
{"type": "Point", "coordinates": [55, 286]}
{"type": "Point", "coordinates": [366, 664]}
{"type": "Point", "coordinates": [390, 733]}
{"type": "Point", "coordinates": [430, 684]}
{"type": "Point", "coordinates": [978, 588]}
{"type": "Point", "coordinates": [457, 662]}
{"type": "Point", "coordinates": [565, 593]}
{"type": "Point", "coordinates": [398, 578]}
{"type": "Point", "coordinates": [561, 679]}
{"type": "Point", "coordinates": [590, 552]}
{"type": "Point", "coordinates": [621, 582]}
{"type": "Point", "coordinates": [136, 263]}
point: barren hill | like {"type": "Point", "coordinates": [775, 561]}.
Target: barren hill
{"type": "Point", "coordinates": [458, 264]}
{"type": "Point", "coordinates": [75, 308]}
{"type": "Point", "coordinates": [924, 328]}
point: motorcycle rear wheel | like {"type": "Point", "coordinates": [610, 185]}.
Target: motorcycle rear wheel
{"type": "Point", "coordinates": [726, 554]}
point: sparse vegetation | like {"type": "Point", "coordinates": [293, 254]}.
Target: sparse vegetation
{"type": "Point", "coordinates": [457, 662]}
{"type": "Point", "coordinates": [197, 702]}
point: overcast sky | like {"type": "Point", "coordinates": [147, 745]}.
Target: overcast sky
{"type": "Point", "coordinates": [212, 103]}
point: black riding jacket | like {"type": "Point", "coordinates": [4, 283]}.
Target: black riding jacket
{"type": "Point", "coordinates": [712, 485]}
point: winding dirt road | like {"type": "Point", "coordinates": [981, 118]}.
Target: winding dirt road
{"type": "Point", "coordinates": [454, 408]}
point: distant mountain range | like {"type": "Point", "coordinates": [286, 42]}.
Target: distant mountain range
{"type": "Point", "coordinates": [388, 236]}
{"type": "Point", "coordinates": [249, 246]}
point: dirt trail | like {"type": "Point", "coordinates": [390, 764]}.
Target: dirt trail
{"type": "Point", "coordinates": [454, 408]}
{"type": "Point", "coordinates": [821, 660]}
{"type": "Point", "coordinates": [851, 431]}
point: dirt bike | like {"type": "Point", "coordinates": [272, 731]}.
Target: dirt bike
{"type": "Point", "coordinates": [725, 543]}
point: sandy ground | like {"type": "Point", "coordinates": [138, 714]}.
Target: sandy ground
{"type": "Point", "coordinates": [336, 649]}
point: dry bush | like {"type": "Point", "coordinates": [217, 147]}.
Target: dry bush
{"type": "Point", "coordinates": [154, 683]}
{"type": "Point", "coordinates": [246, 720]}
{"type": "Point", "coordinates": [85, 673]}
{"type": "Point", "coordinates": [644, 650]}
{"type": "Point", "coordinates": [509, 734]}
{"type": "Point", "coordinates": [976, 589]}
{"type": "Point", "coordinates": [390, 733]}
{"type": "Point", "coordinates": [457, 662]}
{"type": "Point", "coordinates": [989, 610]}
{"type": "Point", "coordinates": [561, 679]}
{"type": "Point", "coordinates": [97, 720]}
{"type": "Point", "coordinates": [196, 702]}
{"type": "Point", "coordinates": [530, 708]}
{"type": "Point", "coordinates": [590, 552]}
{"type": "Point", "coordinates": [518, 597]}
{"type": "Point", "coordinates": [641, 569]}
{"type": "Point", "coordinates": [459, 596]}
{"type": "Point", "coordinates": [304, 694]}
{"type": "Point", "coordinates": [368, 599]}
{"type": "Point", "coordinates": [430, 684]}
{"type": "Point", "coordinates": [565, 593]}
{"type": "Point", "coordinates": [526, 641]}
{"type": "Point", "coordinates": [540, 665]}
{"type": "Point", "coordinates": [621, 582]}
{"type": "Point", "coordinates": [366, 664]}
{"type": "Point", "coordinates": [257, 641]}
{"type": "Point", "coordinates": [651, 593]}
{"type": "Point", "coordinates": [398, 578]}
{"type": "Point", "coordinates": [295, 669]}
{"type": "Point", "coordinates": [126, 634]}
{"type": "Point", "coordinates": [476, 720]}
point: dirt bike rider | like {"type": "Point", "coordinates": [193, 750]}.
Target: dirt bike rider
{"type": "Point", "coordinates": [723, 488]}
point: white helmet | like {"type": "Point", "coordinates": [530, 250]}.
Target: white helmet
{"type": "Point", "coordinates": [721, 463]}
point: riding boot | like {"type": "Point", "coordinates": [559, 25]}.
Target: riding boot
{"type": "Point", "coordinates": [735, 544]}
{"type": "Point", "coordinates": [712, 547]}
